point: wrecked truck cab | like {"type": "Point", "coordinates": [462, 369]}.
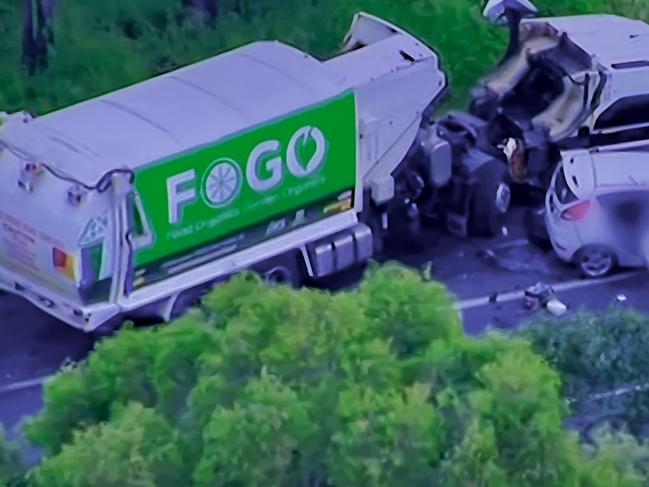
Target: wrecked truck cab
{"type": "Point", "coordinates": [564, 87]}
{"type": "Point", "coordinates": [548, 85]}
{"type": "Point", "coordinates": [571, 83]}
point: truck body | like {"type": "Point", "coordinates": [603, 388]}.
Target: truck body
{"type": "Point", "coordinates": [132, 204]}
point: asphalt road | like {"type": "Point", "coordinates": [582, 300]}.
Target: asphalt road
{"type": "Point", "coordinates": [36, 345]}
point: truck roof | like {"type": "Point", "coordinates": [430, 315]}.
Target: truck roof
{"type": "Point", "coordinates": [175, 112]}
{"type": "Point", "coordinates": [610, 39]}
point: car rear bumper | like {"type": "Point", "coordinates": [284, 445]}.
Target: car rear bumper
{"type": "Point", "coordinates": [562, 234]}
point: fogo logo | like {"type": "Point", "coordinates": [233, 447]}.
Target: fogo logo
{"type": "Point", "coordinates": [222, 182]}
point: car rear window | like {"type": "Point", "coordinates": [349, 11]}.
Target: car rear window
{"type": "Point", "coordinates": [564, 194]}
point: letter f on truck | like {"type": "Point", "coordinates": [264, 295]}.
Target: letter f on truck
{"type": "Point", "coordinates": [178, 197]}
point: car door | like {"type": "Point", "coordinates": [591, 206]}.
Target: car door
{"type": "Point", "coordinates": [627, 219]}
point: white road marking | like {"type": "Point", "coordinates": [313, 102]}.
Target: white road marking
{"type": "Point", "coordinates": [559, 287]}
{"type": "Point", "coordinates": [520, 242]}
{"type": "Point", "coordinates": [461, 305]}
{"type": "Point", "coordinates": [24, 384]}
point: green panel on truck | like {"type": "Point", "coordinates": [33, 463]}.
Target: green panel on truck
{"type": "Point", "coordinates": [247, 188]}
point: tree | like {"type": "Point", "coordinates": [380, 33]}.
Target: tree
{"type": "Point", "coordinates": [136, 448]}
{"type": "Point", "coordinates": [266, 385]}
{"type": "Point", "coordinates": [11, 469]}
{"type": "Point", "coordinates": [603, 362]}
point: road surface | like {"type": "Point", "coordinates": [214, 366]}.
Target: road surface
{"type": "Point", "coordinates": [36, 345]}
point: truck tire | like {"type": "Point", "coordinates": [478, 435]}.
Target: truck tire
{"type": "Point", "coordinates": [285, 269]}
{"type": "Point", "coordinates": [489, 204]}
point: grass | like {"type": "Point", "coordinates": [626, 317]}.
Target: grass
{"type": "Point", "coordinates": [104, 45]}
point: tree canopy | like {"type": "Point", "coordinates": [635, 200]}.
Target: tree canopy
{"type": "Point", "coordinates": [603, 362]}
{"type": "Point", "coordinates": [100, 46]}
{"type": "Point", "coordinates": [266, 385]}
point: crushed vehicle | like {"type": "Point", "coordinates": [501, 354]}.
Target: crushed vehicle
{"type": "Point", "coordinates": [597, 207]}
{"type": "Point", "coordinates": [562, 85]}
{"type": "Point", "coordinates": [133, 204]}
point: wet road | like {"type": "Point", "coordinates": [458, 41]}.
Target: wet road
{"type": "Point", "coordinates": [35, 345]}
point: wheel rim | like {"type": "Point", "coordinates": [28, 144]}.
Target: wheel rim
{"type": "Point", "coordinates": [596, 262]}
{"type": "Point", "coordinates": [503, 198]}
{"type": "Point", "coordinates": [279, 275]}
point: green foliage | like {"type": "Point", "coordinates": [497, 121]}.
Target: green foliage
{"type": "Point", "coordinates": [11, 469]}
{"type": "Point", "coordinates": [104, 45]}
{"type": "Point", "coordinates": [597, 354]}
{"type": "Point", "coordinates": [297, 388]}
{"type": "Point", "coordinates": [136, 448]}
{"type": "Point", "coordinates": [616, 457]}
{"type": "Point", "coordinates": [386, 437]}
{"type": "Point", "coordinates": [258, 437]}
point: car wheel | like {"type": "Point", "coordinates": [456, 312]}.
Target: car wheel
{"type": "Point", "coordinates": [596, 261]}
{"type": "Point", "coordinates": [490, 205]}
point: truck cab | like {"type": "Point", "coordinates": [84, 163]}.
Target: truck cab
{"type": "Point", "coordinates": [562, 85]}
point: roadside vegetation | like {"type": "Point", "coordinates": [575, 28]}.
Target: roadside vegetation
{"type": "Point", "coordinates": [268, 386]}
{"type": "Point", "coordinates": [603, 363]}
{"type": "Point", "coordinates": [101, 46]}
{"type": "Point", "coordinates": [274, 387]}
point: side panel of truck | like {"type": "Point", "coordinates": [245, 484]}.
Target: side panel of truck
{"type": "Point", "coordinates": [243, 190]}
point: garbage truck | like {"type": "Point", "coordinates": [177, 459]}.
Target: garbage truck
{"type": "Point", "coordinates": [133, 204]}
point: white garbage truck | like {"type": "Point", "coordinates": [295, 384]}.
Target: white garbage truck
{"type": "Point", "coordinates": [132, 204]}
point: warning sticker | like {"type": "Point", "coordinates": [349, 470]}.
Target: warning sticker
{"type": "Point", "coordinates": [95, 231]}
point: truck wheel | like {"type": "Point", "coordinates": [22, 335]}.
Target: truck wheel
{"type": "Point", "coordinates": [281, 275]}
{"type": "Point", "coordinates": [283, 269]}
{"type": "Point", "coordinates": [489, 205]}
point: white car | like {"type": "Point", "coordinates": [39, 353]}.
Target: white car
{"type": "Point", "coordinates": [596, 207]}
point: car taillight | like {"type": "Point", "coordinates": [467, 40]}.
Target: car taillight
{"type": "Point", "coordinates": [576, 212]}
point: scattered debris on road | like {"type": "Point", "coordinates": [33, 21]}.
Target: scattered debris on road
{"type": "Point", "coordinates": [486, 254]}
{"type": "Point", "coordinates": [556, 307]}
{"type": "Point", "coordinates": [517, 256]}
{"type": "Point", "coordinates": [493, 298]}
{"type": "Point", "coordinates": [541, 295]}
{"type": "Point", "coordinates": [620, 298]}
{"type": "Point", "coordinates": [541, 292]}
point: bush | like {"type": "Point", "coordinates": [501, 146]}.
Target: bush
{"type": "Point", "coordinates": [304, 387]}
{"type": "Point", "coordinates": [11, 470]}
{"type": "Point", "coordinates": [137, 447]}
{"type": "Point", "coordinates": [102, 46]}
{"type": "Point", "coordinates": [597, 355]}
